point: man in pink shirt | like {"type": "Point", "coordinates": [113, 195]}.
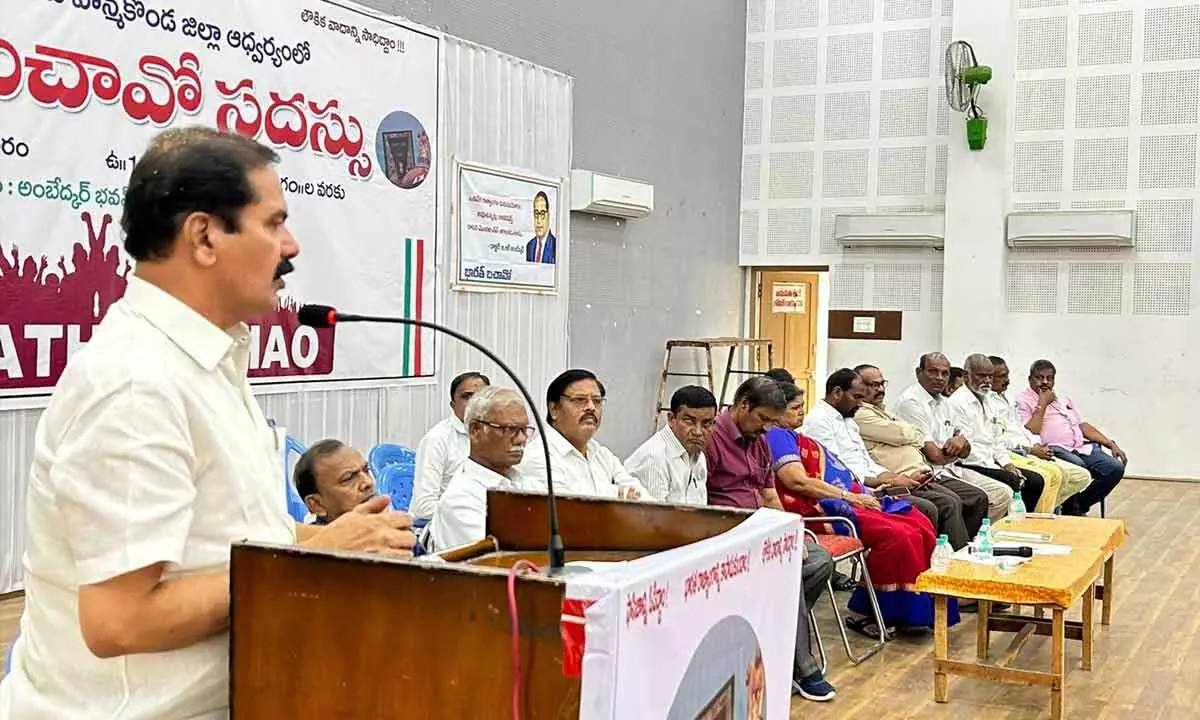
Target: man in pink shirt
{"type": "Point", "coordinates": [1058, 422]}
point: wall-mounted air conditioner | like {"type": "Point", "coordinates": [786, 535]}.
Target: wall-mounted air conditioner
{"type": "Point", "coordinates": [908, 230]}
{"type": "Point", "coordinates": [593, 192]}
{"type": "Point", "coordinates": [1113, 229]}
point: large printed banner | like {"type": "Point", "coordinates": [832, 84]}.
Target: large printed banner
{"type": "Point", "coordinates": [507, 230]}
{"type": "Point", "coordinates": [350, 101]}
{"type": "Point", "coordinates": [703, 631]}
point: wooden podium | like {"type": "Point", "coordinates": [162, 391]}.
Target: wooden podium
{"type": "Point", "coordinates": [353, 636]}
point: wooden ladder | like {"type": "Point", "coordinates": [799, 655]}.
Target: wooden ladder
{"type": "Point", "coordinates": [707, 345]}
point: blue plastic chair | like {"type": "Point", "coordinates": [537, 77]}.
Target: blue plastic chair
{"type": "Point", "coordinates": [385, 454]}
{"type": "Point", "coordinates": [396, 481]}
{"type": "Point", "coordinates": [295, 504]}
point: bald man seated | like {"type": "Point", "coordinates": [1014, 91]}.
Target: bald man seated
{"type": "Point", "coordinates": [332, 479]}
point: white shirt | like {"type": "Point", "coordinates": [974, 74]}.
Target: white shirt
{"type": "Point", "coordinates": [461, 516]}
{"type": "Point", "coordinates": [152, 449]}
{"type": "Point", "coordinates": [981, 427]}
{"type": "Point", "coordinates": [598, 474]}
{"type": "Point", "coordinates": [439, 456]}
{"type": "Point", "coordinates": [928, 413]}
{"type": "Point", "coordinates": [663, 465]}
{"type": "Point", "coordinates": [1014, 434]}
{"type": "Point", "coordinates": [842, 437]}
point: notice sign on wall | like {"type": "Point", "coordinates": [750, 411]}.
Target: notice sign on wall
{"type": "Point", "coordinates": [86, 86]}
{"type": "Point", "coordinates": [789, 297]}
{"type": "Point", "coordinates": [507, 228]}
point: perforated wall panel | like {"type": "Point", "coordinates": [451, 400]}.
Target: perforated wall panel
{"type": "Point", "coordinates": [755, 21]}
{"type": "Point", "coordinates": [754, 65]}
{"type": "Point", "coordinates": [791, 175]}
{"type": "Point", "coordinates": [1101, 101]}
{"type": "Point", "coordinates": [1162, 289]}
{"type": "Point", "coordinates": [848, 115]}
{"type": "Point", "coordinates": [896, 286]}
{"type": "Point", "coordinates": [1171, 34]}
{"type": "Point", "coordinates": [1165, 226]}
{"type": "Point", "coordinates": [902, 171]}
{"type": "Point", "coordinates": [749, 233]}
{"type": "Point", "coordinates": [1101, 164]}
{"type": "Point", "coordinates": [848, 58]}
{"type": "Point", "coordinates": [1166, 162]}
{"type": "Point", "coordinates": [844, 173]}
{"type": "Point", "coordinates": [1105, 38]}
{"type": "Point", "coordinates": [1094, 288]}
{"type": "Point", "coordinates": [904, 112]}
{"type": "Point", "coordinates": [1040, 104]}
{"type": "Point", "coordinates": [793, 14]}
{"type": "Point", "coordinates": [789, 231]}
{"type": "Point", "coordinates": [907, 9]}
{"type": "Point", "coordinates": [1042, 42]}
{"type": "Point", "coordinates": [1031, 287]}
{"type": "Point", "coordinates": [936, 279]}
{"type": "Point", "coordinates": [751, 176]}
{"type": "Point", "coordinates": [852, 118]}
{"type": "Point", "coordinates": [795, 62]}
{"type": "Point", "coordinates": [752, 122]}
{"type": "Point", "coordinates": [850, 12]}
{"type": "Point", "coordinates": [1170, 98]}
{"type": "Point", "coordinates": [793, 118]}
{"type": "Point", "coordinates": [846, 283]}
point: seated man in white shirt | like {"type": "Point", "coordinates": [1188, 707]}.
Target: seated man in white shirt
{"type": "Point", "coordinates": [926, 407]}
{"type": "Point", "coordinates": [444, 448]}
{"type": "Point", "coordinates": [498, 426]}
{"type": "Point", "coordinates": [831, 423]}
{"type": "Point", "coordinates": [671, 464]}
{"type": "Point", "coordinates": [580, 464]}
{"type": "Point", "coordinates": [332, 479]}
{"type": "Point", "coordinates": [153, 455]}
{"type": "Point", "coordinates": [973, 414]}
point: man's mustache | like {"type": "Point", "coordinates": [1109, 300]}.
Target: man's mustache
{"type": "Point", "coordinates": [283, 268]}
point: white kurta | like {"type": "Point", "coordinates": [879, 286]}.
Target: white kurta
{"type": "Point", "coordinates": [152, 449]}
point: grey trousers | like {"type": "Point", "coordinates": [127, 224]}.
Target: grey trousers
{"type": "Point", "coordinates": [818, 566]}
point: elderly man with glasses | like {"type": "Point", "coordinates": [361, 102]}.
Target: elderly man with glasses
{"type": "Point", "coordinates": [498, 427]}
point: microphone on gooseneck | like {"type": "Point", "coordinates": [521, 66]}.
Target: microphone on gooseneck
{"type": "Point", "coordinates": [324, 316]}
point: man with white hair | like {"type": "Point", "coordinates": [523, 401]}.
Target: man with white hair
{"type": "Point", "coordinates": [498, 427]}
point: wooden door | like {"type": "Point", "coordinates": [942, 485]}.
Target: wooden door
{"type": "Point", "coordinates": [787, 315]}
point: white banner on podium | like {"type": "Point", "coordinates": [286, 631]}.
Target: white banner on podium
{"type": "Point", "coordinates": [706, 631]}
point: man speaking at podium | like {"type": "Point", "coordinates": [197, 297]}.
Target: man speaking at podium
{"type": "Point", "coordinates": [153, 455]}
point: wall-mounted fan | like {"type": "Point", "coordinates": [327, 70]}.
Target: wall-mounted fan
{"type": "Point", "coordinates": [964, 77]}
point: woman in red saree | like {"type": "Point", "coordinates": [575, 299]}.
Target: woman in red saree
{"type": "Point", "coordinates": [812, 481]}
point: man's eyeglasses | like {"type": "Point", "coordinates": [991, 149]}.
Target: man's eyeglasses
{"type": "Point", "coordinates": [880, 385]}
{"type": "Point", "coordinates": [511, 430]}
{"type": "Point", "coordinates": [541, 213]}
{"type": "Point", "coordinates": [582, 401]}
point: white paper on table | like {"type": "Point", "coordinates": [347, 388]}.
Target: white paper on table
{"type": "Point", "coordinates": [1029, 537]}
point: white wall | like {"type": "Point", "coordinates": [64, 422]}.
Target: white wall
{"type": "Point", "coordinates": [845, 113]}
{"type": "Point", "coordinates": [498, 110]}
{"type": "Point", "coordinates": [1092, 105]}
{"type": "Point", "coordinates": [1104, 115]}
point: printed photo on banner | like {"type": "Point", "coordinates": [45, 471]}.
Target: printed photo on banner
{"type": "Point", "coordinates": [85, 87]}
{"type": "Point", "coordinates": [507, 230]}
{"type": "Point", "coordinates": [706, 630]}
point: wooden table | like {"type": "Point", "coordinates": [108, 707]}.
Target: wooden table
{"type": "Point", "coordinates": [1054, 582]}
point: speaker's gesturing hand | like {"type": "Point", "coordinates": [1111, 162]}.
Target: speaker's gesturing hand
{"type": "Point", "coordinates": [370, 527]}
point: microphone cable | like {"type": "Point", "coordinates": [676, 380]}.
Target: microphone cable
{"type": "Point", "coordinates": [519, 568]}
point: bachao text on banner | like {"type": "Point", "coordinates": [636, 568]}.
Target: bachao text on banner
{"type": "Point", "coordinates": [349, 100]}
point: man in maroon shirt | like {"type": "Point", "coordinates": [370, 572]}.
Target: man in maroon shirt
{"type": "Point", "coordinates": [739, 460]}
{"type": "Point", "coordinates": [740, 476]}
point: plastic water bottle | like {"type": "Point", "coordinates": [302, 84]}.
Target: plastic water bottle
{"type": "Point", "coordinates": [983, 541]}
{"type": "Point", "coordinates": [1017, 510]}
{"type": "Point", "coordinates": [940, 561]}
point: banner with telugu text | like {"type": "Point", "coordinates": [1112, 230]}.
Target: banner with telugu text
{"type": "Point", "coordinates": [705, 631]}
{"type": "Point", "coordinates": [349, 99]}
{"type": "Point", "coordinates": [507, 230]}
